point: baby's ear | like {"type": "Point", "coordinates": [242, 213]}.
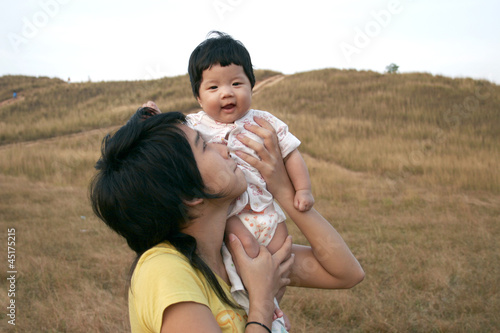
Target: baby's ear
{"type": "Point", "coordinates": [193, 202]}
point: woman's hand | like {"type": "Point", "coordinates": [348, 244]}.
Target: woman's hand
{"type": "Point", "coordinates": [270, 165]}
{"type": "Point", "coordinates": [264, 275]}
{"type": "Point", "coordinates": [152, 105]}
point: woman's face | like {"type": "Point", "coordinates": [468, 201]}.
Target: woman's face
{"type": "Point", "coordinates": [219, 172]}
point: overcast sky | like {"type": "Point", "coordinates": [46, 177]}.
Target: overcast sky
{"type": "Point", "coordinates": [134, 40]}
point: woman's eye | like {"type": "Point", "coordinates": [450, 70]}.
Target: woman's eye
{"type": "Point", "coordinates": [204, 145]}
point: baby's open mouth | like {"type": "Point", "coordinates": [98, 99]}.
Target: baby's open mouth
{"type": "Point", "coordinates": [229, 106]}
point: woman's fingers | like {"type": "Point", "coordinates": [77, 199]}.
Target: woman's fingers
{"type": "Point", "coordinates": [259, 148]}
{"type": "Point", "coordinates": [152, 105]}
{"type": "Point", "coordinates": [286, 268]}
{"type": "Point", "coordinates": [237, 250]}
{"type": "Point", "coordinates": [277, 265]}
{"type": "Point", "coordinates": [268, 135]}
{"type": "Point", "coordinates": [270, 165]}
{"type": "Point", "coordinates": [266, 163]}
{"type": "Point", "coordinates": [285, 259]}
{"type": "Point", "coordinates": [284, 252]}
{"type": "Point", "coordinates": [258, 163]}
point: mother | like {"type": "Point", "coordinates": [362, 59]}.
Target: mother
{"type": "Point", "coordinates": [167, 192]}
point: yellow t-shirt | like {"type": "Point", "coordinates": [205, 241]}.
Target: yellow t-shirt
{"type": "Point", "coordinates": [162, 277]}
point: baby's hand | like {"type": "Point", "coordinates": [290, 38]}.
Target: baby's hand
{"type": "Point", "coordinates": [303, 200]}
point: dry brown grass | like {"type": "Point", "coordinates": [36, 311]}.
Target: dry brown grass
{"type": "Point", "coordinates": [72, 271]}
{"type": "Point", "coordinates": [404, 166]}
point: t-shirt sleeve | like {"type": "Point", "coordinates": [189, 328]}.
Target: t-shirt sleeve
{"type": "Point", "coordinates": [192, 119]}
{"type": "Point", "coordinates": [287, 141]}
{"type": "Point", "coordinates": [163, 280]}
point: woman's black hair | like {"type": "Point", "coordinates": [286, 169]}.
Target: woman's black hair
{"type": "Point", "coordinates": [146, 173]}
{"type": "Point", "coordinates": [223, 50]}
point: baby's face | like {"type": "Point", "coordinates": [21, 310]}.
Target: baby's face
{"type": "Point", "coordinates": [225, 93]}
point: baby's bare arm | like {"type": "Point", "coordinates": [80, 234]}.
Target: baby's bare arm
{"type": "Point", "coordinates": [299, 175]}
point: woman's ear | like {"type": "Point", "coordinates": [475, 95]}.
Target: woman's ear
{"type": "Point", "coordinates": [193, 202]}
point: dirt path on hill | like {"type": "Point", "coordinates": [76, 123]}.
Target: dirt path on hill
{"type": "Point", "coordinates": [267, 83]}
{"type": "Point", "coordinates": [11, 101]}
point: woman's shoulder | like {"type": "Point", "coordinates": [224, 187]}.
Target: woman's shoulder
{"type": "Point", "coordinates": [161, 248]}
{"type": "Point", "coordinates": [272, 119]}
{"type": "Point", "coordinates": [163, 269]}
{"type": "Point", "coordinates": [258, 113]}
{"type": "Point", "coordinates": [163, 254]}
{"type": "Point", "coordinates": [161, 278]}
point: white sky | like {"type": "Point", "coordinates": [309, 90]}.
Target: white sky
{"type": "Point", "coordinates": [134, 40]}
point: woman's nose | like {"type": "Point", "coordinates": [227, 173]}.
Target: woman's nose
{"type": "Point", "coordinates": [223, 150]}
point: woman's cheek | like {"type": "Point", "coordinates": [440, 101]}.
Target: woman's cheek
{"type": "Point", "coordinates": [217, 181]}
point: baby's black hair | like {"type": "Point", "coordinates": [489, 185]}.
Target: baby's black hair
{"type": "Point", "coordinates": [221, 49]}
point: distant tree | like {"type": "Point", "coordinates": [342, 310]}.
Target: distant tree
{"type": "Point", "coordinates": [392, 68]}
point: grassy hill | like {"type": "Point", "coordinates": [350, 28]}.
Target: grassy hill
{"type": "Point", "coordinates": [405, 166]}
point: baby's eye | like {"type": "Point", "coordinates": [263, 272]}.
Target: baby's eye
{"type": "Point", "coordinates": [212, 87]}
{"type": "Point", "coordinates": [236, 83]}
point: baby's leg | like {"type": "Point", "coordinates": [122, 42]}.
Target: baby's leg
{"type": "Point", "coordinates": [279, 237]}
{"type": "Point", "coordinates": [250, 244]}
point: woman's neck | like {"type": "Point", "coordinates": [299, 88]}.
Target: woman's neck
{"type": "Point", "coordinates": [208, 230]}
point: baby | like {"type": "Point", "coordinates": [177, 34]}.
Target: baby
{"type": "Point", "coordinates": [222, 78]}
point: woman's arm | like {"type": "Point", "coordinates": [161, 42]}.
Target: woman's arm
{"type": "Point", "coordinates": [189, 317]}
{"type": "Point", "coordinates": [328, 263]}
{"type": "Point", "coordinates": [195, 317]}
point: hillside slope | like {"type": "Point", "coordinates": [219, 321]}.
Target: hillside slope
{"type": "Point", "coordinates": [399, 126]}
